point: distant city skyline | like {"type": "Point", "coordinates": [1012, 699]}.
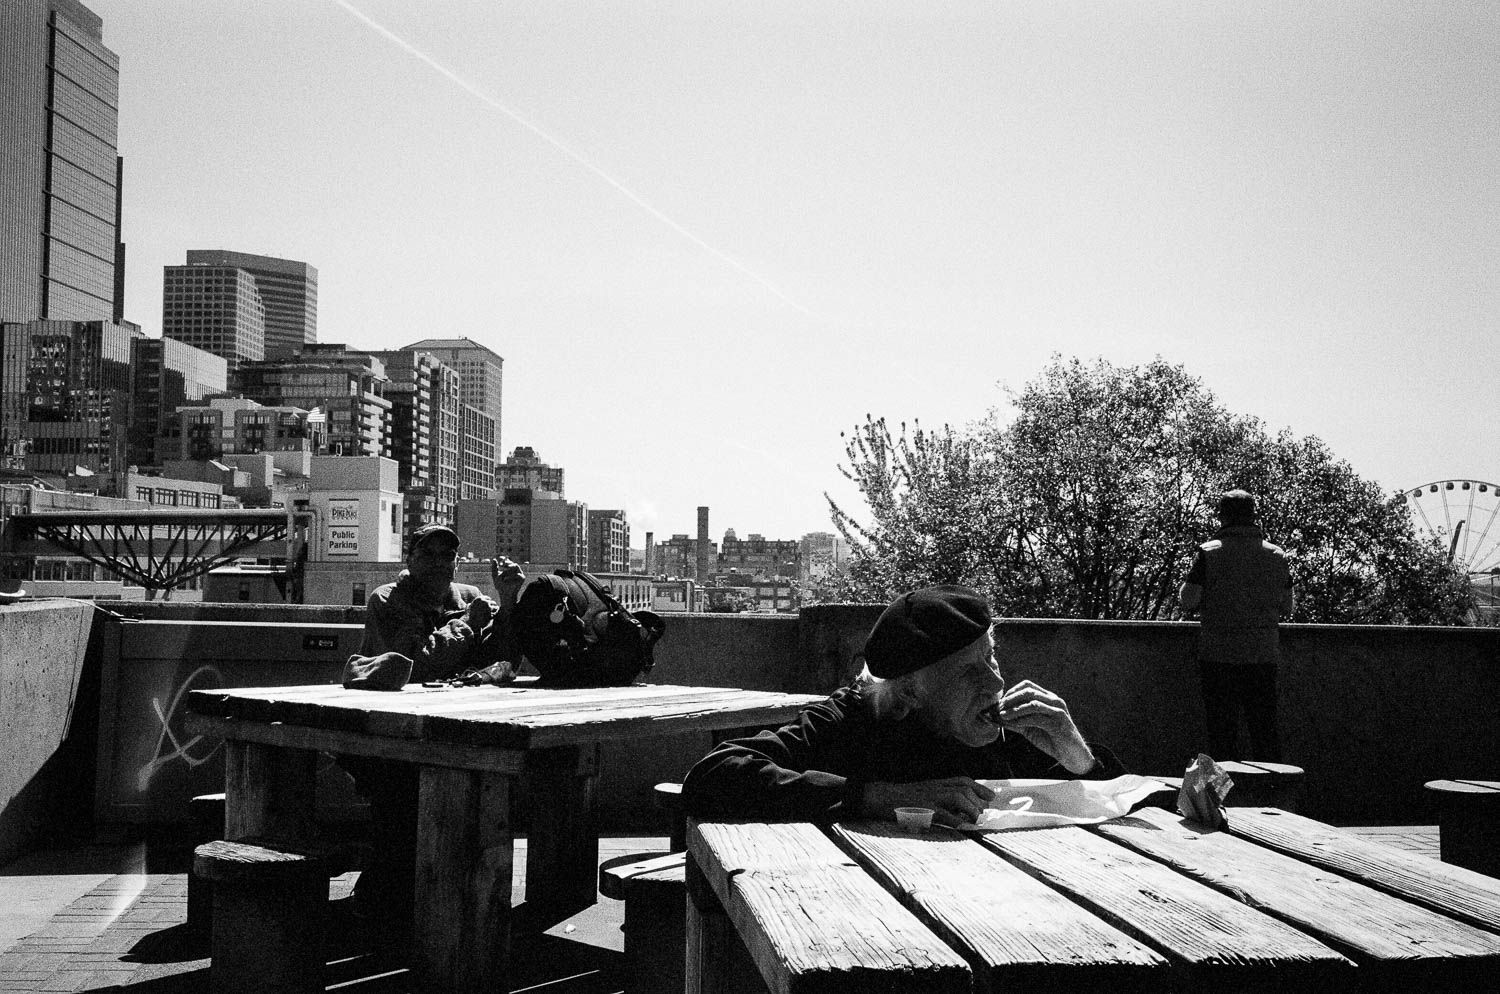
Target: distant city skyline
{"type": "Point", "coordinates": [725, 233]}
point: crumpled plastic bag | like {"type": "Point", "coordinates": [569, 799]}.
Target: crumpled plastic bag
{"type": "Point", "coordinates": [1042, 803]}
{"type": "Point", "coordinates": [1201, 797]}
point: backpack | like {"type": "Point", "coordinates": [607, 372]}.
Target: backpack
{"type": "Point", "coordinates": [573, 631]}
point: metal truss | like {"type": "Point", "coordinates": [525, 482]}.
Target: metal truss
{"type": "Point", "coordinates": [157, 549]}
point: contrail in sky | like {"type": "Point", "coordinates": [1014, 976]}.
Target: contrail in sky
{"type": "Point", "coordinates": [562, 147]}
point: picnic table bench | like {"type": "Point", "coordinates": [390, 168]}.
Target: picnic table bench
{"type": "Point", "coordinates": [1144, 902]}
{"type": "Point", "coordinates": [1469, 823]}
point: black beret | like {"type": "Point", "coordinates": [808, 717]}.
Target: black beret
{"type": "Point", "coordinates": [923, 626]}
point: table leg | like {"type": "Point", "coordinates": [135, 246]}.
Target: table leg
{"type": "Point", "coordinates": [268, 791]}
{"type": "Point", "coordinates": [562, 849]}
{"type": "Point", "coordinates": [710, 936]}
{"type": "Point", "coordinates": [461, 932]}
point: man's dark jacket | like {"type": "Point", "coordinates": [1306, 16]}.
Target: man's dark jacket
{"type": "Point", "coordinates": [816, 767]}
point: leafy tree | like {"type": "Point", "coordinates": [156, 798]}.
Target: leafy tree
{"type": "Point", "coordinates": [1091, 499]}
{"type": "Point", "coordinates": [931, 511]}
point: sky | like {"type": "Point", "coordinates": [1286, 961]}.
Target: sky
{"type": "Point", "coordinates": [707, 238]}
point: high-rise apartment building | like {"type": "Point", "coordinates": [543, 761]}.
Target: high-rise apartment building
{"type": "Point", "coordinates": [525, 468]}
{"type": "Point", "coordinates": [288, 290]}
{"type": "Point", "coordinates": [609, 542]}
{"type": "Point", "coordinates": [65, 395]}
{"type": "Point", "coordinates": [426, 430]}
{"type": "Point", "coordinates": [215, 308]}
{"type": "Point", "coordinates": [477, 452]}
{"type": "Point", "coordinates": [481, 371]}
{"type": "Point", "coordinates": [347, 387]}
{"type": "Point", "coordinates": [167, 374]}
{"type": "Point", "coordinates": [60, 254]}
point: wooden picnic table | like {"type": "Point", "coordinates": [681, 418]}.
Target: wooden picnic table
{"type": "Point", "coordinates": [471, 746]}
{"type": "Point", "coordinates": [1144, 902]}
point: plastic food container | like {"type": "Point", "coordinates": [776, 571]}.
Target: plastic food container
{"type": "Point", "coordinates": [914, 819]}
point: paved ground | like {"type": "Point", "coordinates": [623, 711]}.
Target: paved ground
{"type": "Point", "coordinates": [102, 917]}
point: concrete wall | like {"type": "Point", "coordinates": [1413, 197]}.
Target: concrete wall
{"type": "Point", "coordinates": [1371, 713]}
{"type": "Point", "coordinates": [148, 765]}
{"type": "Point", "coordinates": [48, 700]}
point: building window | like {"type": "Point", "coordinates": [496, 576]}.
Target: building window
{"type": "Point", "coordinates": [357, 597]}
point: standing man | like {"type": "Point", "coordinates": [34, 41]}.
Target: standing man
{"type": "Point", "coordinates": [444, 628]}
{"type": "Point", "coordinates": [1240, 587]}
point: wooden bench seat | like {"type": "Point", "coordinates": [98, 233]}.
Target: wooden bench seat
{"type": "Point", "coordinates": [653, 889]}
{"type": "Point", "coordinates": [1469, 823]}
{"type": "Point", "coordinates": [270, 907]}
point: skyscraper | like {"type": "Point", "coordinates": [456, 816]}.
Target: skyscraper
{"type": "Point", "coordinates": [167, 374]}
{"type": "Point", "coordinates": [215, 308]}
{"type": "Point", "coordinates": [481, 371]}
{"type": "Point", "coordinates": [288, 289]}
{"type": "Point", "coordinates": [59, 171]}
{"type": "Point", "coordinates": [67, 395]}
{"type": "Point", "coordinates": [426, 433]}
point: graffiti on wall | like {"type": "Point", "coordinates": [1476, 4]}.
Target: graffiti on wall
{"type": "Point", "coordinates": [173, 742]}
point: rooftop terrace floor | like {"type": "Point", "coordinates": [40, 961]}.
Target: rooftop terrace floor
{"type": "Point", "coordinates": [105, 916]}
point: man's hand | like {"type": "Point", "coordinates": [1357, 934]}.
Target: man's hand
{"type": "Point", "coordinates": [480, 611]}
{"type": "Point", "coordinates": [1042, 718]}
{"type": "Point", "coordinates": [507, 577]}
{"type": "Point", "coordinates": [953, 800]}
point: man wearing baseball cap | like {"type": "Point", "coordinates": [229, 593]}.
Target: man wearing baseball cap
{"type": "Point", "coordinates": [443, 627]}
{"type": "Point", "coordinates": [928, 717]}
{"type": "Point", "coordinates": [423, 627]}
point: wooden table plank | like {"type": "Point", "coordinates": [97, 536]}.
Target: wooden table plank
{"type": "Point", "coordinates": [1466, 786]}
{"type": "Point", "coordinates": [1452, 890]}
{"type": "Point", "coordinates": [501, 716]}
{"type": "Point", "coordinates": [814, 921]}
{"type": "Point", "coordinates": [511, 762]}
{"type": "Point", "coordinates": [1397, 943]}
{"type": "Point", "coordinates": [510, 717]}
{"type": "Point", "coordinates": [615, 718]}
{"type": "Point", "coordinates": [1219, 943]}
{"type": "Point", "coordinates": [1017, 933]}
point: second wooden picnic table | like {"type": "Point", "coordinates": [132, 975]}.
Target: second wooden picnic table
{"type": "Point", "coordinates": [1147, 902]}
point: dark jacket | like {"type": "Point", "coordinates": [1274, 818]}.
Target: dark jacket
{"type": "Point", "coordinates": [1243, 587]}
{"type": "Point", "coordinates": [816, 767]}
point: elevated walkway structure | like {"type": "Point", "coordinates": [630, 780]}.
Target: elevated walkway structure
{"type": "Point", "coordinates": [161, 549]}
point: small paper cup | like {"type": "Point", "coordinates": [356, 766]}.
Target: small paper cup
{"type": "Point", "coordinates": [914, 819]}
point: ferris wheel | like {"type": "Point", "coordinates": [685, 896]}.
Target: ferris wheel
{"type": "Point", "coordinates": [1465, 516]}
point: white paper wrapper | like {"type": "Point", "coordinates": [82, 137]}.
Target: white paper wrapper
{"type": "Point", "coordinates": [1041, 803]}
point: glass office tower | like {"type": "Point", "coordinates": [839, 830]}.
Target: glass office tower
{"type": "Point", "coordinates": [59, 174]}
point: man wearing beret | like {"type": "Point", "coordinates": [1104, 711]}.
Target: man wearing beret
{"type": "Point", "coordinates": [426, 624]}
{"type": "Point", "coordinates": [928, 717]}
